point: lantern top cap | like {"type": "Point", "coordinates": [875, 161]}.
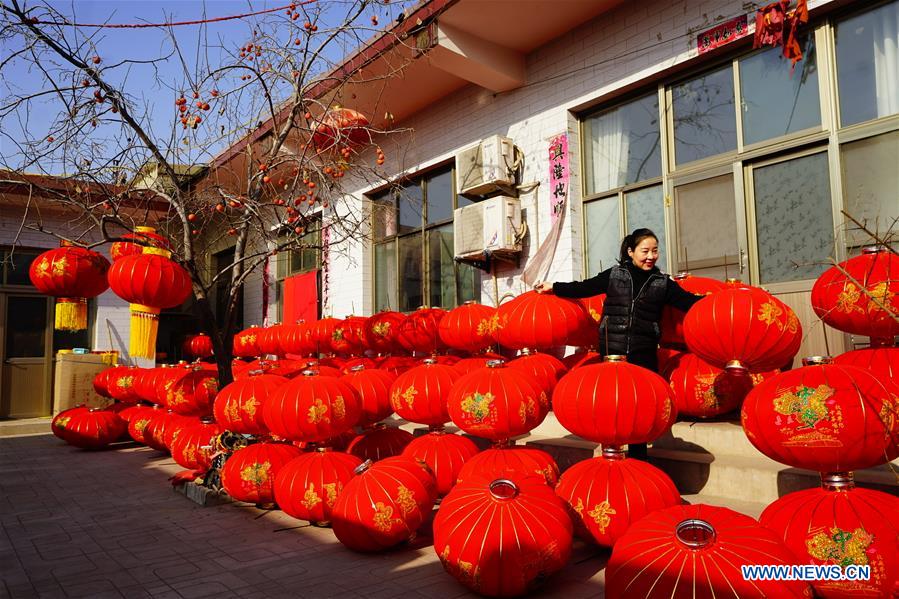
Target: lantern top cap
{"type": "Point", "coordinates": [207, 420]}
{"type": "Point", "coordinates": [363, 467]}
{"type": "Point", "coordinates": [144, 229]}
{"type": "Point", "coordinates": [735, 366]}
{"type": "Point", "coordinates": [323, 449]}
{"type": "Point", "coordinates": [613, 452]}
{"type": "Point", "coordinates": [873, 249]}
{"type": "Point", "coordinates": [816, 360]}
{"type": "Point", "coordinates": [309, 373]}
{"type": "Point", "coordinates": [429, 361]}
{"type": "Point", "coordinates": [357, 368]}
{"type": "Point", "coordinates": [837, 481]}
{"type": "Point", "coordinates": [695, 533]}
{"type": "Point", "coordinates": [495, 363]}
{"type": "Point", "coordinates": [504, 489]}
{"type": "Point", "coordinates": [615, 358]}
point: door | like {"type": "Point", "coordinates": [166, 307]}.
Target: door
{"type": "Point", "coordinates": [24, 388]}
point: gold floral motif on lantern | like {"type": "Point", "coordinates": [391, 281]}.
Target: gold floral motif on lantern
{"type": "Point", "coordinates": [889, 412]}
{"type": "Point", "coordinates": [141, 424]}
{"type": "Point", "coordinates": [704, 392]}
{"type": "Point", "coordinates": [211, 384]}
{"type": "Point", "coordinates": [250, 405]}
{"type": "Point", "coordinates": [338, 408]}
{"type": "Point", "coordinates": [579, 507]}
{"type": "Point", "coordinates": [528, 408]}
{"type": "Point", "coordinates": [406, 500]}
{"type": "Point", "coordinates": [880, 292]}
{"type": "Point", "coordinates": [331, 491]}
{"type": "Point", "coordinates": [806, 404]}
{"type": "Point", "coordinates": [61, 423]}
{"type": "Point", "coordinates": [318, 412]}
{"type": "Point", "coordinates": [840, 547]}
{"type": "Point", "coordinates": [248, 340]}
{"type": "Point", "coordinates": [311, 498]}
{"type": "Point", "coordinates": [602, 514]}
{"type": "Point", "coordinates": [256, 474]}
{"type": "Point", "coordinates": [190, 454]}
{"type": "Point", "coordinates": [543, 399]}
{"type": "Point", "coordinates": [407, 396]}
{"type": "Point", "coordinates": [59, 267]}
{"type": "Point", "coordinates": [125, 382]}
{"type": "Point", "coordinates": [232, 411]}
{"type": "Point", "coordinates": [666, 409]}
{"type": "Point", "coordinates": [847, 300]}
{"type": "Point", "coordinates": [43, 268]}
{"type": "Point", "coordinates": [468, 574]}
{"type": "Point", "coordinates": [769, 312]}
{"type": "Point", "coordinates": [497, 323]}
{"type": "Point", "coordinates": [381, 329]}
{"type": "Point", "coordinates": [596, 316]}
{"type": "Point", "coordinates": [484, 327]}
{"type": "Point", "coordinates": [792, 324]}
{"type": "Point", "coordinates": [176, 397]}
{"type": "Point", "coordinates": [383, 518]}
{"type": "Point", "coordinates": [337, 335]}
{"type": "Point", "coordinates": [477, 405]}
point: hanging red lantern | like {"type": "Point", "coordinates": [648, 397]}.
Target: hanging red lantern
{"type": "Point", "coordinates": [373, 388]}
{"type": "Point", "coordinates": [197, 346]}
{"type": "Point", "coordinates": [420, 331]}
{"type": "Point", "coordinates": [72, 275]}
{"type": "Point", "coordinates": [743, 326]}
{"type": "Point", "coordinates": [841, 525]}
{"type": "Point", "coordinates": [312, 408]}
{"type": "Point", "coordinates": [145, 235]}
{"type": "Point", "coordinates": [249, 474]}
{"type": "Point", "coordinates": [150, 282]}
{"type": "Point", "coordinates": [468, 327]}
{"type": "Point", "coordinates": [238, 407]}
{"type": "Point", "coordinates": [384, 504]}
{"type": "Point", "coordinates": [339, 128]}
{"type": "Point", "coordinates": [381, 331]}
{"type": "Point", "coordinates": [121, 383]}
{"type": "Point", "coordinates": [246, 343]}
{"type": "Point", "coordinates": [697, 551]}
{"type": "Point", "coordinates": [605, 495]}
{"type": "Point", "coordinates": [497, 402]}
{"type": "Point", "coordinates": [540, 321]}
{"type": "Point", "coordinates": [94, 428]}
{"type": "Point", "coordinates": [60, 424]}
{"type": "Point", "coordinates": [672, 324]}
{"type": "Point", "coordinates": [882, 362]}
{"type": "Point", "coordinates": [614, 403]}
{"type": "Point", "coordinates": [193, 393]}
{"type": "Point", "coordinates": [824, 417]}
{"type": "Point", "coordinates": [379, 442]}
{"type": "Point", "coordinates": [511, 462]}
{"type": "Point", "coordinates": [546, 369]}
{"type": "Point", "coordinates": [502, 538]}
{"type": "Point", "coordinates": [861, 295]}
{"type": "Point", "coordinates": [307, 487]}
{"type": "Point", "coordinates": [420, 394]}
{"type": "Point", "coordinates": [704, 391]}
{"type": "Point", "coordinates": [444, 454]}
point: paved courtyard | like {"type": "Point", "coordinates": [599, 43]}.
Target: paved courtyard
{"type": "Point", "coordinates": [108, 524]}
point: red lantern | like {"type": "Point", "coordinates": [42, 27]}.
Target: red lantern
{"type": "Point", "coordinates": [861, 295]}
{"type": "Point", "coordinates": [382, 329]}
{"type": "Point", "coordinates": [296, 339]}
{"type": "Point", "coordinates": [589, 336]}
{"type": "Point", "coordinates": [546, 369]}
{"type": "Point", "coordinates": [341, 127]}
{"type": "Point", "coordinates": [824, 417]}
{"type": "Point", "coordinates": [606, 495]}
{"type": "Point", "coordinates": [72, 275]}
{"type": "Point", "coordinates": [540, 321]}
{"type": "Point", "coordinates": [154, 387]}
{"type": "Point", "coordinates": [502, 538]}
{"type": "Point", "coordinates": [511, 462]}
{"type": "Point", "coordinates": [193, 393]}
{"type": "Point", "coordinates": [581, 358]}
{"type": "Point", "coordinates": [94, 428]}
{"type": "Point", "coordinates": [745, 327]}
{"type": "Point", "coordinates": [841, 525]}
{"type": "Point", "coordinates": [882, 362]}
{"type": "Point", "coordinates": [321, 332]}
{"type": "Point", "coordinates": [312, 408]}
{"type": "Point", "coordinates": [150, 282]}
{"type": "Point", "coordinates": [420, 331]}
{"type": "Point", "coordinates": [238, 407]}
{"type": "Point", "coordinates": [146, 235]}
{"type": "Point", "coordinates": [337, 443]}
{"type": "Point", "coordinates": [246, 343]}
{"type": "Point", "coordinates": [420, 394]}
{"type": "Point", "coordinates": [307, 487]}
{"type": "Point", "coordinates": [466, 365]}
{"type": "Point", "coordinates": [197, 346]}
{"type": "Point", "coordinates": [397, 365]}
{"type": "Point", "coordinates": [101, 382]}
{"type": "Point", "coordinates": [672, 325]}
{"type": "Point", "coordinates": [383, 505]}
{"type": "Point", "coordinates": [497, 402]}
{"type": "Point", "coordinates": [155, 431]}
{"type": "Point", "coordinates": [249, 474]}
{"type": "Point", "coordinates": [668, 359]}
{"type": "Point", "coordinates": [379, 442]}
{"type": "Point", "coordinates": [121, 383]}
{"type": "Point", "coordinates": [373, 387]}
{"type": "Point", "coordinates": [468, 327]}
{"type": "Point", "coordinates": [444, 454]}
{"type": "Point", "coordinates": [60, 424]}
{"type": "Point", "coordinates": [269, 340]}
{"type": "Point", "coordinates": [138, 421]}
{"type": "Point", "coordinates": [704, 391]}
{"type": "Point", "coordinates": [697, 551]}
{"type": "Point", "coordinates": [614, 403]}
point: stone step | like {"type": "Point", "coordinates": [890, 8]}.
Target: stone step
{"type": "Point", "coordinates": [25, 426]}
{"type": "Point", "coordinates": [750, 508]}
{"type": "Point", "coordinates": [721, 437]}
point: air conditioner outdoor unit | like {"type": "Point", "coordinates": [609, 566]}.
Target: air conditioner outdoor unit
{"type": "Point", "coordinates": [488, 226]}
{"type": "Point", "coordinates": [486, 167]}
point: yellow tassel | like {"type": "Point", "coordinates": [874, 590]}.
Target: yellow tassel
{"type": "Point", "coordinates": [71, 314]}
{"type": "Point", "coordinates": [144, 328]}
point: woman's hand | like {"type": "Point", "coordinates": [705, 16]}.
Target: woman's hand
{"type": "Point", "coordinates": [543, 287]}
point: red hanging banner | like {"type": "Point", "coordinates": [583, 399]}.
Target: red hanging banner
{"type": "Point", "coordinates": [722, 34]}
{"type": "Point", "coordinates": [301, 297]}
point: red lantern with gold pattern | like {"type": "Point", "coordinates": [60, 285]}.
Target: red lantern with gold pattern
{"type": "Point", "coordinates": [504, 537]}
{"type": "Point", "coordinates": [307, 487]}
{"type": "Point", "coordinates": [373, 388]}
{"type": "Point", "coordinates": [238, 407]}
{"type": "Point", "coordinates": [420, 394]}
{"type": "Point", "coordinates": [321, 333]}
{"type": "Point", "coordinates": [420, 331]}
{"type": "Point", "coordinates": [614, 403]}
{"type": "Point", "coordinates": [312, 408]}
{"type": "Point", "coordinates": [381, 331]}
{"type": "Point", "coordinates": [468, 327]}
{"type": "Point", "coordinates": [192, 447]}
{"type": "Point", "coordinates": [605, 495]}
{"type": "Point", "coordinates": [384, 504]}
{"type": "Point", "coordinates": [197, 346]}
{"type": "Point", "coordinates": [296, 339]}
{"type": "Point", "coordinates": [246, 343]}
{"type": "Point", "coordinates": [540, 321]}
{"type": "Point", "coordinates": [593, 306]}
{"type": "Point", "coordinates": [121, 383]}
{"type": "Point", "coordinates": [193, 393]}
{"type": "Point", "coordinates": [861, 295]}
{"type": "Point", "coordinates": [882, 362]}
{"type": "Point", "coordinates": [163, 429]}
{"type": "Point", "coordinates": [511, 462]}
{"type": "Point", "coordinates": [672, 324]}
{"type": "Point", "coordinates": [340, 128]}
{"type": "Point", "coordinates": [60, 423]}
{"type": "Point", "coordinates": [150, 282]}
{"type": "Point", "coordinates": [379, 442]}
{"type": "Point", "coordinates": [841, 525]}
{"type": "Point", "coordinates": [697, 551]}
{"type": "Point", "coordinates": [145, 235]}
{"type": "Point", "coordinates": [743, 326]}
{"type": "Point", "coordinates": [349, 337]}
{"type": "Point", "coordinates": [497, 402]}
{"type": "Point", "coordinates": [94, 428]}
{"type": "Point", "coordinates": [72, 275]}
{"type": "Point", "coordinates": [101, 382]}
{"type": "Point", "coordinates": [704, 391]}
{"type": "Point", "coordinates": [249, 474]}
{"type": "Point", "coordinates": [138, 421]}
{"type": "Point", "coordinates": [545, 368]}
{"type": "Point", "coordinates": [824, 417]}
{"type": "Point", "coordinates": [444, 454]}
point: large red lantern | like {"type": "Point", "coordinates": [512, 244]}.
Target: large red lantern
{"type": "Point", "coordinates": [101, 383]}
{"type": "Point", "coordinates": [144, 235]}
{"type": "Point", "coordinates": [238, 407]}
{"type": "Point", "coordinates": [373, 387]}
{"type": "Point", "coordinates": [841, 525]}
{"type": "Point", "coordinates": [545, 368]}
{"type": "Point", "coordinates": [122, 381]}
{"type": "Point", "coordinates": [384, 504]}
{"type": "Point", "coordinates": [444, 454]}
{"type": "Point", "coordinates": [420, 331]}
{"type": "Point", "coordinates": [72, 275]}
{"type": "Point", "coordinates": [269, 340]}
{"type": "Point", "coordinates": [150, 282]}
{"type": "Point", "coordinates": [312, 408]}
{"type": "Point", "coordinates": [164, 428]}
{"type": "Point", "coordinates": [502, 538]}
{"type": "Point", "coordinates": [60, 423]}
{"type": "Point", "coordinates": [246, 343]}
{"type": "Point", "coordinates": [614, 403]}
{"type": "Point", "coordinates": [192, 447]}
{"type": "Point", "coordinates": [882, 362]}
{"type": "Point", "coordinates": [321, 332]}
{"type": "Point", "coordinates": [540, 321]}
{"type": "Point", "coordinates": [138, 421]}
{"type": "Point", "coordinates": [349, 336]}
{"type": "Point", "coordinates": [497, 402]}
{"type": "Point", "coordinates": [511, 462]}
{"type": "Point", "coordinates": [249, 474]}
{"type": "Point", "coordinates": [296, 339]}
{"type": "Point", "coordinates": [379, 442]}
{"type": "Point", "coordinates": [382, 329]}
{"type": "Point", "coordinates": [609, 493]}
{"type": "Point", "coordinates": [307, 487]}
{"type": "Point", "coordinates": [861, 295]}
{"type": "Point", "coordinates": [339, 128]}
{"type": "Point", "coordinates": [93, 428]}
{"type": "Point", "coordinates": [420, 394]}
{"type": "Point", "coordinates": [468, 327]}
{"type": "Point", "coordinates": [743, 327]}
{"type": "Point", "coordinates": [705, 391]}
{"type": "Point", "coordinates": [193, 393]}
{"type": "Point", "coordinates": [824, 417]}
{"type": "Point", "coordinates": [672, 324]}
{"type": "Point", "coordinates": [197, 346]}
{"type": "Point", "coordinates": [697, 551]}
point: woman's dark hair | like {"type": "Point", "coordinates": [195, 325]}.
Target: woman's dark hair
{"type": "Point", "coordinates": [630, 242]}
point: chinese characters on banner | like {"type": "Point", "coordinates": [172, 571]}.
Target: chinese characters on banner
{"type": "Point", "coordinates": [558, 175]}
{"type": "Point", "coordinates": [722, 34]}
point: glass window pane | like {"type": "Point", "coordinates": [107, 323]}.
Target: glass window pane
{"type": "Point", "coordinates": [775, 100]}
{"type": "Point", "coordinates": [603, 235]}
{"type": "Point", "coordinates": [468, 283]}
{"type": "Point", "coordinates": [646, 208]}
{"type": "Point", "coordinates": [411, 293]}
{"type": "Point", "coordinates": [410, 206]}
{"type": "Point", "coordinates": [383, 217]}
{"type": "Point", "coordinates": [440, 197]}
{"type": "Point", "coordinates": [870, 181]}
{"type": "Point", "coordinates": [706, 218]}
{"type": "Point", "coordinates": [623, 145]}
{"type": "Point", "coordinates": [385, 276]}
{"type": "Point", "coordinates": [704, 119]}
{"type": "Point", "coordinates": [441, 268]}
{"type": "Point", "coordinates": [26, 326]}
{"type": "Point", "coordinates": [867, 64]}
{"type": "Point", "coordinates": [793, 218]}
{"type": "Point", "coordinates": [17, 268]}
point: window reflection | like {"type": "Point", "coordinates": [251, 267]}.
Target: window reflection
{"type": "Point", "coordinates": [704, 118]}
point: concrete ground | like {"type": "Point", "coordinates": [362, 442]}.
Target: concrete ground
{"type": "Point", "coordinates": [75, 523]}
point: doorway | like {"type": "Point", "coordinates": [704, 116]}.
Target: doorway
{"type": "Point", "coordinates": [26, 343]}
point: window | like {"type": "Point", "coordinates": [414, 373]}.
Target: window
{"type": "Point", "coordinates": [413, 251]}
{"type": "Point", "coordinates": [704, 119]}
{"type": "Point", "coordinates": [706, 227]}
{"type": "Point", "coordinates": [298, 261]}
{"type": "Point", "coordinates": [870, 181]}
{"type": "Point", "coordinates": [15, 265]}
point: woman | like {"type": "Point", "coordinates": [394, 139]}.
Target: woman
{"type": "Point", "coordinates": [636, 291]}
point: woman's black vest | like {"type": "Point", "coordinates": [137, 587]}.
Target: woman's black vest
{"type": "Point", "coordinates": [630, 317]}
